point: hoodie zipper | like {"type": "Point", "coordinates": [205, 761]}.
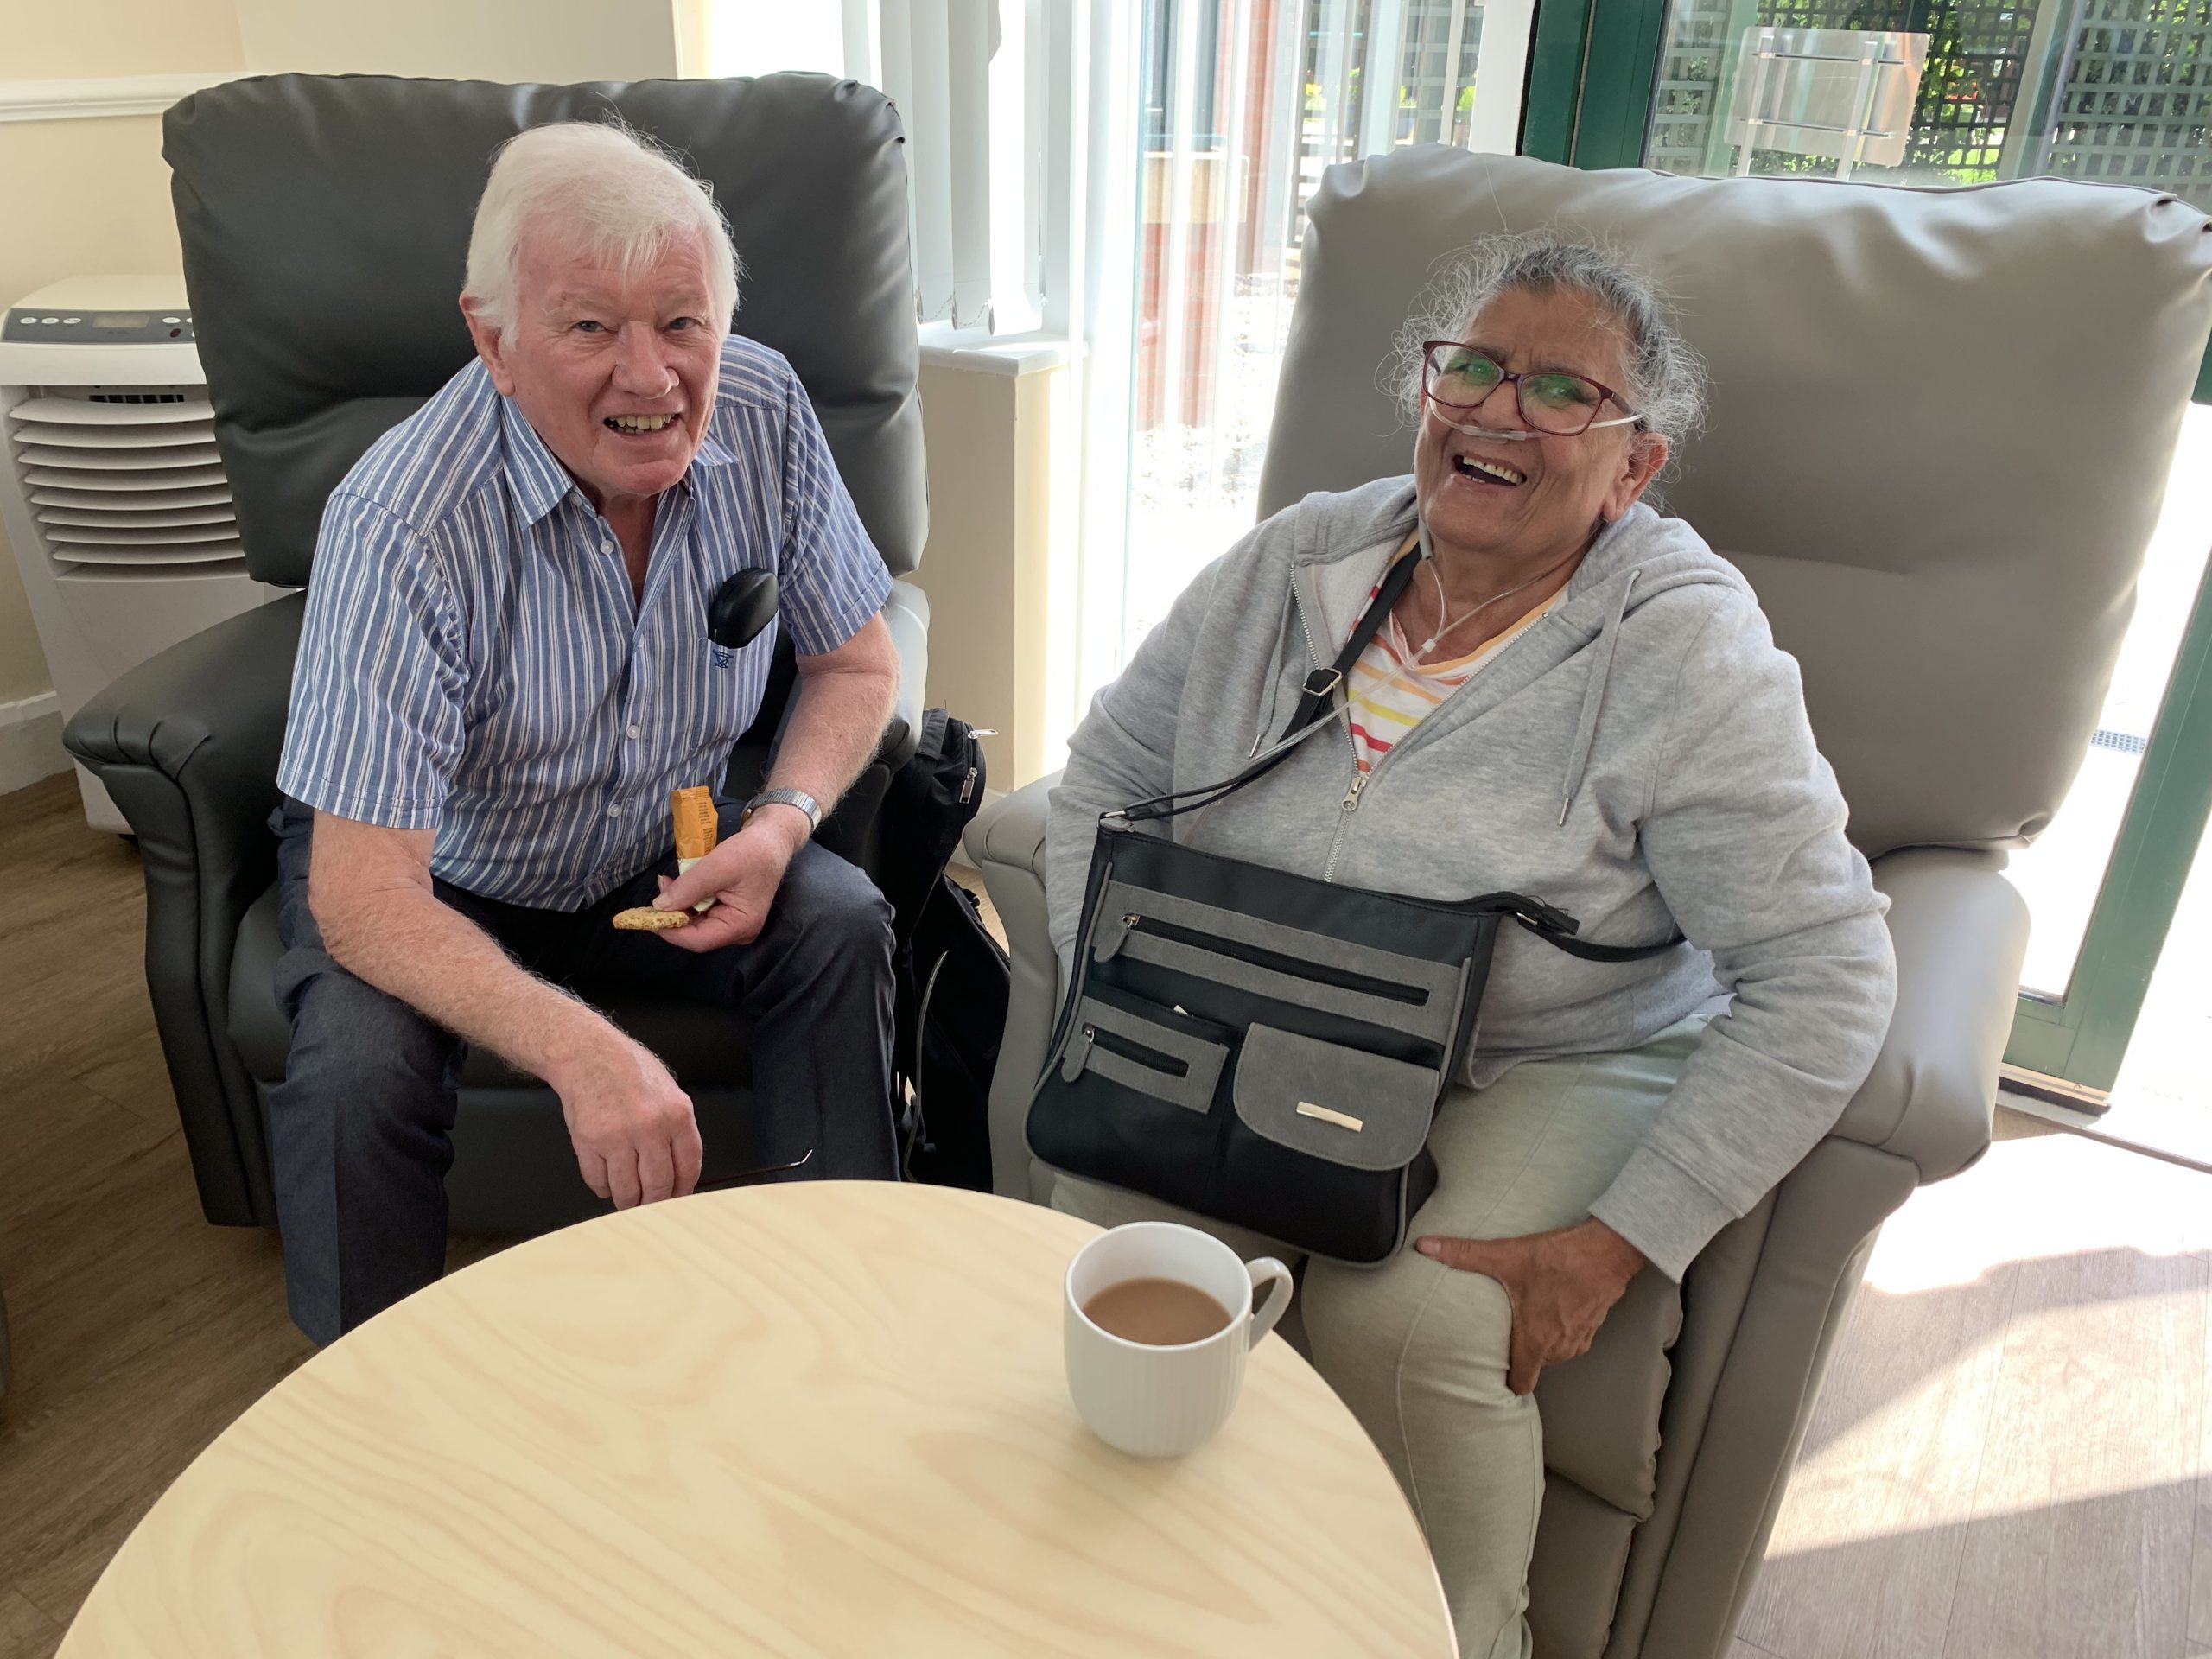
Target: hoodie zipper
{"type": "Point", "coordinates": [1350, 804]}
{"type": "Point", "coordinates": [1360, 780]}
{"type": "Point", "coordinates": [1358, 777]}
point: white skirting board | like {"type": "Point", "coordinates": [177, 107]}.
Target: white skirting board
{"type": "Point", "coordinates": [30, 741]}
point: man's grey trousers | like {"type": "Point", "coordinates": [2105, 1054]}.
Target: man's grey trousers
{"type": "Point", "coordinates": [360, 1127]}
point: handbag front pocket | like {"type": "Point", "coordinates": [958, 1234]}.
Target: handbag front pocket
{"type": "Point", "coordinates": [1324, 1100]}
{"type": "Point", "coordinates": [1168, 1057]}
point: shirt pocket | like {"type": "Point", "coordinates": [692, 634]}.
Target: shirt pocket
{"type": "Point", "coordinates": [727, 686]}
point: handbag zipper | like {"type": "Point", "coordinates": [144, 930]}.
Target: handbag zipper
{"type": "Point", "coordinates": [1500, 903]}
{"type": "Point", "coordinates": [1343, 979]}
{"type": "Point", "coordinates": [1130, 1049]}
{"type": "Point", "coordinates": [1089, 1036]}
{"type": "Point", "coordinates": [1077, 1053]}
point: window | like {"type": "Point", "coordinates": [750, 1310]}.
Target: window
{"type": "Point", "coordinates": [1242, 104]}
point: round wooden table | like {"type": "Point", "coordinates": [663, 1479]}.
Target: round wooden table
{"type": "Point", "coordinates": [818, 1419]}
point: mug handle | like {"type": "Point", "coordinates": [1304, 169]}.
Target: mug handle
{"type": "Point", "coordinates": [1269, 1272]}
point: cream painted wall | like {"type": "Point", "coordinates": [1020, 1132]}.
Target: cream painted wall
{"type": "Point", "coordinates": [463, 40]}
{"type": "Point", "coordinates": [117, 37]}
{"type": "Point", "coordinates": [986, 568]}
{"type": "Point", "coordinates": [91, 196]}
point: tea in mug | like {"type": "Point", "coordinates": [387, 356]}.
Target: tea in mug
{"type": "Point", "coordinates": [1163, 1313]}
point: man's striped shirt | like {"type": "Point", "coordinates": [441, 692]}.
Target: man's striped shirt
{"type": "Point", "coordinates": [473, 660]}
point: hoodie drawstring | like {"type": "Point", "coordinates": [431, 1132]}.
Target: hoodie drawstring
{"type": "Point", "coordinates": [1601, 667]}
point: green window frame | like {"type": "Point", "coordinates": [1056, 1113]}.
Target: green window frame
{"type": "Point", "coordinates": [1592, 65]}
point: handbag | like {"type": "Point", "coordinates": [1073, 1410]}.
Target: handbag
{"type": "Point", "coordinates": [1263, 1048]}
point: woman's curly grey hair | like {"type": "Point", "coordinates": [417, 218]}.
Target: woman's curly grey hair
{"type": "Point", "coordinates": [1666, 379]}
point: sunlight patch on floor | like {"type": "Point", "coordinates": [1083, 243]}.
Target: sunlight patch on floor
{"type": "Point", "coordinates": [2063, 1196]}
{"type": "Point", "coordinates": [1913, 1454]}
{"type": "Point", "coordinates": [2030, 1341]}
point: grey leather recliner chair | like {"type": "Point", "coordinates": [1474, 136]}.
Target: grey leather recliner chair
{"type": "Point", "coordinates": [1947, 539]}
{"type": "Point", "coordinates": [325, 222]}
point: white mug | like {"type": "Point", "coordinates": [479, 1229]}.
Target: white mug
{"type": "Point", "coordinates": [1145, 1399]}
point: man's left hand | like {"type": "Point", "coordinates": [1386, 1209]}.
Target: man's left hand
{"type": "Point", "coordinates": [742, 876]}
{"type": "Point", "coordinates": [1560, 1285]}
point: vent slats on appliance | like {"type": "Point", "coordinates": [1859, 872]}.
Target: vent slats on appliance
{"type": "Point", "coordinates": [117, 437]}
{"type": "Point", "coordinates": [127, 484]}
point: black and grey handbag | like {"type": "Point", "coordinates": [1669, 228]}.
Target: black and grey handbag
{"type": "Point", "coordinates": [1266, 1049]}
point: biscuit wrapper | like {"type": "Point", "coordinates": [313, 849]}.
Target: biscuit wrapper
{"type": "Point", "coordinates": [695, 828]}
{"type": "Point", "coordinates": [694, 813]}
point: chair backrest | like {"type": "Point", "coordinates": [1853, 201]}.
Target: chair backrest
{"type": "Point", "coordinates": [1941, 425]}
{"type": "Point", "coordinates": [325, 222]}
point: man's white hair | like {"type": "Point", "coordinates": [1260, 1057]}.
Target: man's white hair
{"type": "Point", "coordinates": [598, 189]}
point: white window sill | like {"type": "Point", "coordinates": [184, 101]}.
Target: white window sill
{"type": "Point", "coordinates": [981, 352]}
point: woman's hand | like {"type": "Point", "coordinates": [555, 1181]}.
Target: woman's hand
{"type": "Point", "coordinates": [1560, 1285]}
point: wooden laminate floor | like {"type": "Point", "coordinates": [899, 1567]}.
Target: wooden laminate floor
{"type": "Point", "coordinates": [2012, 1458]}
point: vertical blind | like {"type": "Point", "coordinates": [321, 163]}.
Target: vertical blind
{"type": "Point", "coordinates": [967, 78]}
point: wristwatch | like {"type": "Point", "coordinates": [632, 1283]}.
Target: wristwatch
{"type": "Point", "coordinates": [798, 797]}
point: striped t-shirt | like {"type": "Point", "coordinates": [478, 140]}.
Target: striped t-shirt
{"type": "Point", "coordinates": [1390, 692]}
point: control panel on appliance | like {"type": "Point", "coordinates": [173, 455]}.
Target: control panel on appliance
{"type": "Point", "coordinates": [97, 328]}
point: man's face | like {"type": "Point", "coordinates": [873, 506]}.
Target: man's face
{"type": "Point", "coordinates": [616, 373]}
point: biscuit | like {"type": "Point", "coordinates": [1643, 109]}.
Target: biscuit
{"type": "Point", "coordinates": [647, 920]}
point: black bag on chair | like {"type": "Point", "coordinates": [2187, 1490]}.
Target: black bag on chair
{"type": "Point", "coordinates": [958, 980]}
{"type": "Point", "coordinates": [949, 977]}
{"type": "Point", "coordinates": [1262, 1048]}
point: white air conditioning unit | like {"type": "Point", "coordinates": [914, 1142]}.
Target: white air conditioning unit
{"type": "Point", "coordinates": [111, 491]}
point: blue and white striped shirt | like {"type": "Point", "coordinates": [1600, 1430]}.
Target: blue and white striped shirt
{"type": "Point", "coordinates": [473, 660]}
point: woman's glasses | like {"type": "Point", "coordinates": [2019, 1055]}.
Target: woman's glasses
{"type": "Point", "coordinates": [1551, 401]}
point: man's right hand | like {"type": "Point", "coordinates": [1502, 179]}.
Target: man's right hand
{"type": "Point", "coordinates": [635, 1135]}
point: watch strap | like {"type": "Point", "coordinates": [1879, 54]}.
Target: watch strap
{"type": "Point", "coordinates": [798, 797]}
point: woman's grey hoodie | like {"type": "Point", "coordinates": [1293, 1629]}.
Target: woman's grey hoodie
{"type": "Point", "coordinates": [1639, 758]}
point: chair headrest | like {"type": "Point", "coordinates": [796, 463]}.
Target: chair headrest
{"type": "Point", "coordinates": [1942, 424]}
{"type": "Point", "coordinates": [325, 222]}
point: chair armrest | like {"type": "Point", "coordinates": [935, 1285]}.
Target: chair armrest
{"type": "Point", "coordinates": [1005, 842]}
{"type": "Point", "coordinates": [207, 715]}
{"type": "Point", "coordinates": [1960, 930]}
{"type": "Point", "coordinates": [1008, 835]}
{"type": "Point", "coordinates": [906, 613]}
{"type": "Point", "coordinates": [186, 744]}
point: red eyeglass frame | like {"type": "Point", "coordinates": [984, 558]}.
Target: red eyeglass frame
{"type": "Point", "coordinates": [1428, 370]}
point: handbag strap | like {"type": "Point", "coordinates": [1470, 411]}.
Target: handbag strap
{"type": "Point", "coordinates": [1562, 937]}
{"type": "Point", "coordinates": [1311, 713]}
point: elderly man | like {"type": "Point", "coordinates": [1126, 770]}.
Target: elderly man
{"type": "Point", "coordinates": [503, 671]}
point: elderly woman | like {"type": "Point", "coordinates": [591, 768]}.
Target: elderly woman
{"type": "Point", "coordinates": [1575, 698]}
